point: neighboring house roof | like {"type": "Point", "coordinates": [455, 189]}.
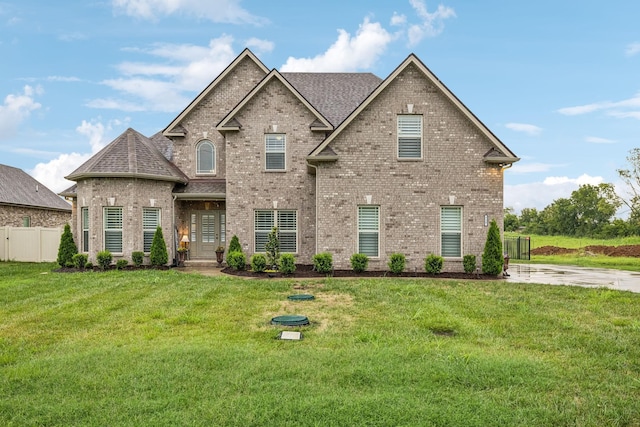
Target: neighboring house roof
{"type": "Point", "coordinates": [175, 128]}
{"type": "Point", "coordinates": [131, 155]}
{"type": "Point", "coordinates": [335, 95]}
{"type": "Point", "coordinates": [501, 154]}
{"type": "Point", "coordinates": [202, 189]}
{"type": "Point", "coordinates": [19, 188]}
{"type": "Point", "coordinates": [229, 122]}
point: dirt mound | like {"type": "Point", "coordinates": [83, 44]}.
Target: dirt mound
{"type": "Point", "coordinates": [623, 250]}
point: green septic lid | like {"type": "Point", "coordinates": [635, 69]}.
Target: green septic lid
{"type": "Point", "coordinates": [290, 320]}
{"type": "Point", "coordinates": [301, 297]}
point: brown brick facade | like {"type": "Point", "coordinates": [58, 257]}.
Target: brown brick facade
{"type": "Point", "coordinates": [13, 216]}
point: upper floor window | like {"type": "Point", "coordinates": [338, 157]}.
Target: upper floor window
{"type": "Point", "coordinates": [206, 158]}
{"type": "Point", "coordinates": [274, 149]}
{"type": "Point", "coordinates": [409, 136]}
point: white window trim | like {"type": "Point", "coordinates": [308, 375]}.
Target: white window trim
{"type": "Point", "coordinates": [105, 229]}
{"type": "Point", "coordinates": [359, 230]}
{"type": "Point", "coordinates": [460, 233]}
{"type": "Point", "coordinates": [84, 227]}
{"type": "Point", "coordinates": [276, 213]}
{"type": "Point", "coordinates": [283, 152]}
{"type": "Point", "coordinates": [398, 136]}
{"type": "Point", "coordinates": [214, 154]}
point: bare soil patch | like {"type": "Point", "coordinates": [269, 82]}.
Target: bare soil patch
{"type": "Point", "coordinates": [616, 251]}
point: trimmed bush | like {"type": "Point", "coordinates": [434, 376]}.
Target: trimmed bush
{"type": "Point", "coordinates": [492, 258]}
{"type": "Point", "coordinates": [67, 248]}
{"type": "Point", "coordinates": [258, 263]}
{"type": "Point", "coordinates": [138, 258]}
{"type": "Point", "coordinates": [323, 263]}
{"type": "Point", "coordinates": [159, 255]}
{"type": "Point", "coordinates": [121, 263]}
{"type": "Point", "coordinates": [397, 263]}
{"type": "Point", "coordinates": [88, 265]}
{"type": "Point", "coordinates": [237, 260]}
{"type": "Point", "coordinates": [80, 260]}
{"type": "Point", "coordinates": [359, 262]}
{"type": "Point", "coordinates": [272, 247]}
{"type": "Point", "coordinates": [433, 264]}
{"type": "Point", "coordinates": [469, 263]}
{"type": "Point", "coordinates": [287, 263]}
{"type": "Point", "coordinates": [103, 258]}
{"type": "Point", "coordinates": [234, 245]}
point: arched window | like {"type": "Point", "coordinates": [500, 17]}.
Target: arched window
{"type": "Point", "coordinates": [206, 158]}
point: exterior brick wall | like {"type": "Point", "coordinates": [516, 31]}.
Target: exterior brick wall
{"type": "Point", "coordinates": [132, 195]}
{"type": "Point", "coordinates": [409, 193]}
{"type": "Point", "coordinates": [12, 216]}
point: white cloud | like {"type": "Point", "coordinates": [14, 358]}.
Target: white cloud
{"type": "Point", "coordinates": [347, 53]}
{"type": "Point", "coordinates": [160, 85]}
{"type": "Point", "coordinates": [52, 173]}
{"type": "Point", "coordinates": [632, 49]}
{"type": "Point", "coordinates": [17, 108]}
{"type": "Point", "coordinates": [398, 19]}
{"type": "Point", "coordinates": [539, 195]}
{"type": "Point", "coordinates": [522, 168]}
{"type": "Point", "coordinates": [259, 46]}
{"type": "Point", "coordinates": [524, 127]}
{"type": "Point", "coordinates": [432, 22]}
{"type": "Point", "coordinates": [618, 109]}
{"type": "Point", "coordinates": [224, 11]}
{"type": "Point", "coordinates": [597, 140]}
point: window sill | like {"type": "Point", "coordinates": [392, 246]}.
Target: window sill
{"type": "Point", "coordinates": [410, 159]}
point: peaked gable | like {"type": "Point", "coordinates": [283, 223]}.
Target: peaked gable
{"type": "Point", "coordinates": [229, 122]}
{"type": "Point", "coordinates": [175, 128]}
{"type": "Point", "coordinates": [500, 153]}
{"type": "Point", "coordinates": [129, 155]}
{"type": "Point", "coordinates": [19, 188]}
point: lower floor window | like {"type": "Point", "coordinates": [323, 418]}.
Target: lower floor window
{"type": "Point", "coordinates": [113, 229]}
{"type": "Point", "coordinates": [150, 222]}
{"type": "Point", "coordinates": [451, 231]}
{"type": "Point", "coordinates": [369, 230]}
{"type": "Point", "coordinates": [286, 222]}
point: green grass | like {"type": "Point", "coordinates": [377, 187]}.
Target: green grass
{"type": "Point", "coordinates": [581, 258]}
{"type": "Point", "coordinates": [163, 348]}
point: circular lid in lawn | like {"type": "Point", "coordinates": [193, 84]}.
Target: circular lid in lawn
{"type": "Point", "coordinates": [290, 320]}
{"type": "Point", "coordinates": [301, 297]}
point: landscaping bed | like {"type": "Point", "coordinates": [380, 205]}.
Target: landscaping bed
{"type": "Point", "coordinates": [615, 251]}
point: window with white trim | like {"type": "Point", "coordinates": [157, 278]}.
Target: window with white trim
{"type": "Point", "coordinates": [287, 223]}
{"type": "Point", "coordinates": [206, 158]}
{"type": "Point", "coordinates": [274, 151]}
{"type": "Point", "coordinates": [85, 229]}
{"type": "Point", "coordinates": [369, 230]}
{"type": "Point", "coordinates": [113, 229]}
{"type": "Point", "coordinates": [451, 231]}
{"type": "Point", "coordinates": [26, 221]}
{"type": "Point", "coordinates": [409, 136]}
{"type": "Point", "coordinates": [150, 222]}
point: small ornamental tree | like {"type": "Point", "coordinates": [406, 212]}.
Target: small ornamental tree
{"type": "Point", "coordinates": [234, 245]}
{"type": "Point", "coordinates": [67, 248]}
{"type": "Point", "coordinates": [159, 255]}
{"type": "Point", "coordinates": [492, 259]}
{"type": "Point", "coordinates": [272, 247]}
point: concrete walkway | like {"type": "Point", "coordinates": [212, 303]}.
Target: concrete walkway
{"type": "Point", "coordinates": [575, 276]}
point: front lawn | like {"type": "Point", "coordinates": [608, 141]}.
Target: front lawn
{"type": "Point", "coordinates": [163, 348]}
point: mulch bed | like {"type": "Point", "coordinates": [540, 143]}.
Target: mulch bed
{"type": "Point", "coordinates": [622, 250]}
{"type": "Point", "coordinates": [306, 271]}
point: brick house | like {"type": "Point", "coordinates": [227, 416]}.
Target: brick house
{"type": "Point", "coordinates": [25, 202]}
{"type": "Point", "coordinates": [339, 162]}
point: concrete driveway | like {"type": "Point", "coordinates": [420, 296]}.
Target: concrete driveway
{"type": "Point", "coordinates": [576, 276]}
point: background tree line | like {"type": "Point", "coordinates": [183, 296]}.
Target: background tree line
{"type": "Point", "coordinates": [589, 212]}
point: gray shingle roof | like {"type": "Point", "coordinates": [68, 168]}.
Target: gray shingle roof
{"type": "Point", "coordinates": [202, 187]}
{"type": "Point", "coordinates": [130, 155]}
{"type": "Point", "coordinates": [19, 188]}
{"type": "Point", "coordinates": [335, 95]}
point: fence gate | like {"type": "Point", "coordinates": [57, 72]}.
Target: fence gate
{"type": "Point", "coordinates": [517, 247]}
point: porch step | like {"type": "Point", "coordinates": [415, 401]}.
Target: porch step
{"type": "Point", "coordinates": [201, 263]}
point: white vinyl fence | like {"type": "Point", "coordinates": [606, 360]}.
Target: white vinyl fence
{"type": "Point", "coordinates": [29, 244]}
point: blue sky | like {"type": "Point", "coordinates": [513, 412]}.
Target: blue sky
{"type": "Point", "coordinates": [557, 81]}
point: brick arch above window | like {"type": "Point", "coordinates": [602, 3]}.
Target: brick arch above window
{"type": "Point", "coordinates": [205, 158]}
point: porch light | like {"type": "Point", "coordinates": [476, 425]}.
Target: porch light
{"type": "Point", "coordinates": [184, 240]}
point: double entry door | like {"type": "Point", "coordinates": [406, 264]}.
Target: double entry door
{"type": "Point", "coordinates": [207, 232]}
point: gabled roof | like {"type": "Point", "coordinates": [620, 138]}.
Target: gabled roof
{"type": "Point", "coordinates": [175, 128]}
{"type": "Point", "coordinates": [506, 157]}
{"type": "Point", "coordinates": [230, 123]}
{"type": "Point", "coordinates": [335, 95]}
{"type": "Point", "coordinates": [131, 155]}
{"type": "Point", "coordinates": [19, 188]}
